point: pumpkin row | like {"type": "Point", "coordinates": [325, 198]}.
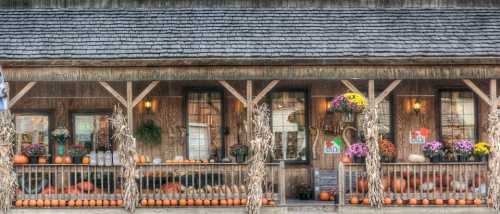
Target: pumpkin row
{"type": "Point", "coordinates": [423, 202]}
{"type": "Point", "coordinates": [201, 202]}
{"type": "Point", "coordinates": [68, 203]}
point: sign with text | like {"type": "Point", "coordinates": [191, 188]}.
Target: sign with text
{"type": "Point", "coordinates": [332, 146]}
{"type": "Point", "coordinates": [419, 136]}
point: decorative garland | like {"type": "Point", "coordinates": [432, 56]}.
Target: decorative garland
{"type": "Point", "coordinates": [8, 182]}
{"type": "Point", "coordinates": [260, 147]}
{"type": "Point", "coordinates": [494, 162]}
{"type": "Point", "coordinates": [375, 187]}
{"type": "Point", "coordinates": [126, 152]}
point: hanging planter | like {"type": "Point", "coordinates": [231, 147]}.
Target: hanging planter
{"type": "Point", "coordinates": [149, 133]}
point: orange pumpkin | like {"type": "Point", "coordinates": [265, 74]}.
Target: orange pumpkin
{"type": "Point", "coordinates": [92, 203]}
{"type": "Point", "coordinates": [78, 203]}
{"type": "Point", "coordinates": [366, 201]}
{"type": "Point", "coordinates": [387, 201]}
{"type": "Point", "coordinates": [49, 190]}
{"type": "Point", "coordinates": [362, 185]}
{"type": "Point", "coordinates": [119, 202]}
{"type": "Point", "coordinates": [67, 160]}
{"type": "Point", "coordinates": [19, 203]}
{"type": "Point", "coordinates": [85, 203]}
{"type": "Point", "coordinates": [182, 202]}
{"type": "Point", "coordinates": [438, 202]}
{"type": "Point", "coordinates": [190, 202]}
{"type": "Point", "coordinates": [198, 202]}
{"type": "Point", "coordinates": [462, 202]}
{"type": "Point", "coordinates": [98, 203]}
{"type": "Point", "coordinates": [354, 200]}
{"type": "Point", "coordinates": [25, 203]}
{"type": "Point", "coordinates": [42, 160]}
{"type": "Point", "coordinates": [214, 202]}
{"type": "Point", "coordinates": [264, 201]}
{"type": "Point", "coordinates": [105, 203]}
{"type": "Point", "coordinates": [425, 202]}
{"type": "Point", "coordinates": [412, 202]}
{"type": "Point", "coordinates": [39, 203]}
{"type": "Point", "coordinates": [151, 202]}
{"type": "Point", "coordinates": [174, 202]}
{"type": "Point", "coordinates": [230, 202]}
{"type": "Point", "coordinates": [21, 159]}
{"type": "Point", "coordinates": [86, 160]}
{"type": "Point", "coordinates": [85, 186]}
{"type": "Point", "coordinates": [32, 203]}
{"type": "Point", "coordinates": [58, 160]}
{"type": "Point", "coordinates": [271, 203]}
{"type": "Point", "coordinates": [206, 202]}
{"type": "Point", "coordinates": [477, 201]}
{"type": "Point", "coordinates": [144, 202]}
{"type": "Point", "coordinates": [452, 202]}
{"type": "Point", "coordinates": [345, 159]}
{"type": "Point", "coordinates": [236, 202]}
{"type": "Point", "coordinates": [112, 203]}
{"type": "Point", "coordinates": [243, 202]}
{"type": "Point", "coordinates": [399, 201]}
{"type": "Point", "coordinates": [165, 202]}
{"type": "Point", "coordinates": [62, 203]}
{"type": "Point", "coordinates": [324, 196]}
{"type": "Point", "coordinates": [54, 203]}
{"type": "Point", "coordinates": [158, 203]}
{"type": "Point", "coordinates": [399, 185]}
{"type": "Point", "coordinates": [223, 202]}
{"type": "Point", "coordinates": [46, 203]}
{"type": "Point", "coordinates": [386, 182]}
{"type": "Point", "coordinates": [71, 203]}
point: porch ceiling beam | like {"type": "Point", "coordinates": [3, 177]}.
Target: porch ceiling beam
{"type": "Point", "coordinates": [387, 91]}
{"type": "Point", "coordinates": [264, 91]}
{"type": "Point", "coordinates": [478, 91]}
{"type": "Point", "coordinates": [145, 92]}
{"type": "Point", "coordinates": [114, 93]}
{"type": "Point", "coordinates": [234, 92]}
{"type": "Point", "coordinates": [21, 93]}
{"type": "Point", "coordinates": [351, 86]}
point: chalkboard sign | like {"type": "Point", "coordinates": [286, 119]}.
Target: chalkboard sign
{"type": "Point", "coordinates": [325, 180]}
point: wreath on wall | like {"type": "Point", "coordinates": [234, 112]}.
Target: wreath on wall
{"type": "Point", "coordinates": [149, 133]}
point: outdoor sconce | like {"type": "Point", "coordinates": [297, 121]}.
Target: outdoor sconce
{"type": "Point", "coordinates": [148, 104]}
{"type": "Point", "coordinates": [417, 106]}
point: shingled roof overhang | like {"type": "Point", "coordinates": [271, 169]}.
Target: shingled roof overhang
{"type": "Point", "coordinates": [318, 43]}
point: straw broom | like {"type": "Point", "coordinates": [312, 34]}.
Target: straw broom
{"type": "Point", "coordinates": [126, 152]}
{"type": "Point", "coordinates": [494, 162]}
{"type": "Point", "coordinates": [7, 176]}
{"type": "Point", "coordinates": [370, 129]}
{"type": "Point", "coordinates": [260, 147]}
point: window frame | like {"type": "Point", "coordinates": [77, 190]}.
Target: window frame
{"type": "Point", "coordinates": [307, 108]}
{"type": "Point", "coordinates": [73, 113]}
{"type": "Point", "coordinates": [45, 112]}
{"type": "Point", "coordinates": [438, 107]}
{"type": "Point", "coordinates": [392, 119]}
{"type": "Point", "coordinates": [185, 113]}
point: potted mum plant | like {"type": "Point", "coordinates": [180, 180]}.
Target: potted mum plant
{"type": "Point", "coordinates": [60, 135]}
{"type": "Point", "coordinates": [482, 151]}
{"type": "Point", "coordinates": [348, 103]}
{"type": "Point", "coordinates": [463, 149]}
{"type": "Point", "coordinates": [357, 152]}
{"type": "Point", "coordinates": [77, 151]}
{"type": "Point", "coordinates": [387, 151]}
{"type": "Point", "coordinates": [433, 150]}
{"type": "Point", "coordinates": [240, 152]}
{"type": "Point", "coordinates": [34, 151]}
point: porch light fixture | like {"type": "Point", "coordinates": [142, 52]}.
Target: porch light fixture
{"type": "Point", "coordinates": [417, 106]}
{"type": "Point", "coordinates": [148, 104]}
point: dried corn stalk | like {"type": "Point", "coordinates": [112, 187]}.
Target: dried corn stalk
{"type": "Point", "coordinates": [260, 148]}
{"type": "Point", "coordinates": [494, 162]}
{"type": "Point", "coordinates": [7, 176]}
{"type": "Point", "coordinates": [126, 152]}
{"type": "Point", "coordinates": [370, 128]}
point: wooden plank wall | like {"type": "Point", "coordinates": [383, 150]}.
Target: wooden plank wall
{"type": "Point", "coordinates": [61, 98]}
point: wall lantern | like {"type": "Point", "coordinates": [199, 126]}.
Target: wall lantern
{"type": "Point", "coordinates": [148, 105]}
{"type": "Point", "coordinates": [417, 106]}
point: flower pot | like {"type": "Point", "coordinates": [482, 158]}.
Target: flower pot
{"type": "Point", "coordinates": [77, 160]}
{"type": "Point", "coordinates": [241, 158]}
{"type": "Point", "coordinates": [358, 159]}
{"type": "Point", "coordinates": [347, 117]}
{"type": "Point", "coordinates": [436, 159]}
{"type": "Point", "coordinates": [481, 158]}
{"type": "Point", "coordinates": [33, 160]}
{"type": "Point", "coordinates": [60, 149]}
{"type": "Point", "coordinates": [463, 158]}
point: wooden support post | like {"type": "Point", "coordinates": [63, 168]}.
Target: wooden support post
{"type": "Point", "coordinates": [21, 94]}
{"type": "Point", "coordinates": [371, 94]}
{"type": "Point", "coordinates": [341, 177]}
{"type": "Point", "coordinates": [350, 86]}
{"type": "Point", "coordinates": [264, 91]}
{"type": "Point", "coordinates": [478, 91]}
{"type": "Point", "coordinates": [144, 92]}
{"type": "Point", "coordinates": [493, 95]}
{"type": "Point", "coordinates": [249, 110]}
{"type": "Point", "coordinates": [282, 182]}
{"type": "Point", "coordinates": [114, 93]}
{"type": "Point", "coordinates": [130, 107]}
{"type": "Point", "coordinates": [387, 91]}
{"type": "Point", "coordinates": [233, 92]}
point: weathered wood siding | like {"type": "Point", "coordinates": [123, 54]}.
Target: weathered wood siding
{"type": "Point", "coordinates": [62, 98]}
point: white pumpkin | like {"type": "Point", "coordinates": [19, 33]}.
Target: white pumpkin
{"type": "Point", "coordinates": [428, 186]}
{"type": "Point", "coordinates": [459, 186]}
{"type": "Point", "coordinates": [414, 158]}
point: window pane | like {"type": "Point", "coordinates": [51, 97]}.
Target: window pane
{"type": "Point", "coordinates": [288, 125]}
{"type": "Point", "coordinates": [204, 125]}
{"type": "Point", "coordinates": [458, 118]}
{"type": "Point", "coordinates": [32, 129]}
{"type": "Point", "coordinates": [384, 119]}
{"type": "Point", "coordinates": [92, 131]}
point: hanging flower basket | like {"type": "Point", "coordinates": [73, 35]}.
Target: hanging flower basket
{"type": "Point", "coordinates": [348, 103]}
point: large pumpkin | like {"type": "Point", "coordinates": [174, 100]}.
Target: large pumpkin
{"type": "Point", "coordinates": [324, 196]}
{"type": "Point", "coordinates": [386, 182]}
{"type": "Point", "coordinates": [49, 190]}
{"type": "Point", "coordinates": [399, 185]}
{"type": "Point", "coordinates": [362, 185]}
{"type": "Point", "coordinates": [58, 160]}
{"type": "Point", "coordinates": [182, 202]}
{"type": "Point", "coordinates": [171, 188]}
{"type": "Point", "coordinates": [43, 160]}
{"type": "Point", "coordinates": [414, 181]}
{"type": "Point", "coordinates": [85, 186]}
{"type": "Point", "coordinates": [86, 160]}
{"type": "Point", "coordinates": [21, 159]}
{"type": "Point", "coordinates": [67, 160]}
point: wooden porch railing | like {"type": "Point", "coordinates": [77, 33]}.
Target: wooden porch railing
{"type": "Point", "coordinates": [51, 185]}
{"type": "Point", "coordinates": [405, 181]}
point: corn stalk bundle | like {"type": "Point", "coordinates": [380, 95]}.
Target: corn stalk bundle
{"type": "Point", "coordinates": [260, 148]}
{"type": "Point", "coordinates": [375, 187]}
{"type": "Point", "coordinates": [126, 152]}
{"type": "Point", "coordinates": [7, 176]}
{"type": "Point", "coordinates": [494, 162]}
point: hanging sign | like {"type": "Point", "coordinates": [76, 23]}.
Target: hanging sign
{"type": "Point", "coordinates": [332, 147]}
{"type": "Point", "coordinates": [419, 136]}
{"type": "Point", "coordinates": [3, 93]}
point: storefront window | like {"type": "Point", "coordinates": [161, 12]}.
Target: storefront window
{"type": "Point", "coordinates": [204, 118]}
{"type": "Point", "coordinates": [32, 129]}
{"type": "Point", "coordinates": [458, 116]}
{"type": "Point", "coordinates": [92, 131]}
{"type": "Point", "coordinates": [288, 116]}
